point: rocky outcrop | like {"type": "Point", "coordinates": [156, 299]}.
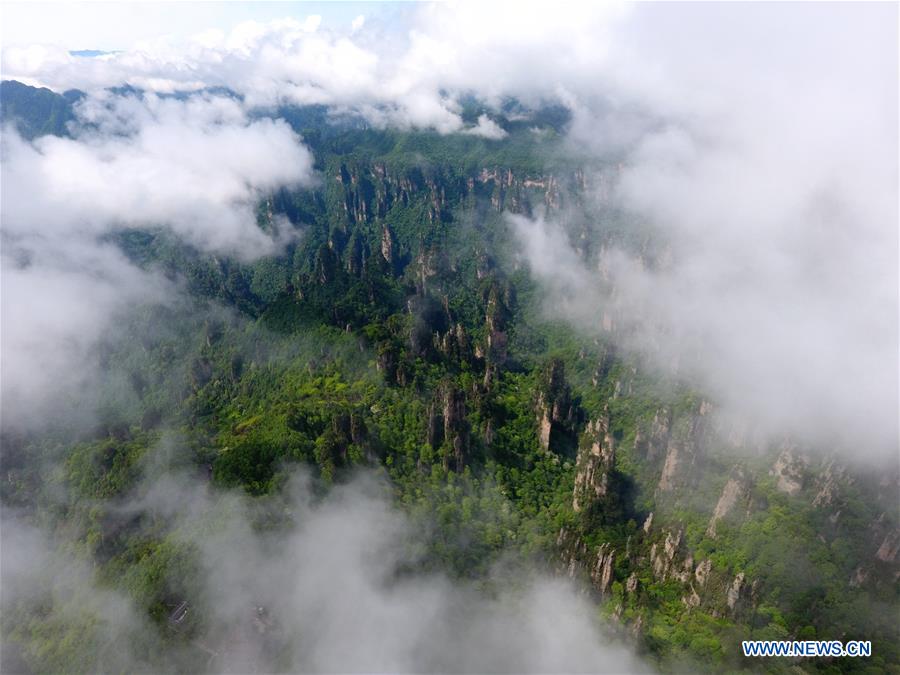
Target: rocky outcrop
{"type": "Point", "coordinates": [631, 584]}
{"type": "Point", "coordinates": [670, 561]}
{"type": "Point", "coordinates": [448, 428]}
{"type": "Point", "coordinates": [788, 471]}
{"type": "Point", "coordinates": [682, 451]}
{"type": "Point", "coordinates": [735, 591]}
{"type": "Point", "coordinates": [596, 461]}
{"type": "Point", "coordinates": [675, 443]}
{"type": "Point", "coordinates": [326, 265]}
{"type": "Point", "coordinates": [652, 444]}
{"type": "Point", "coordinates": [662, 557]}
{"type": "Point", "coordinates": [546, 426]}
{"type": "Point", "coordinates": [496, 314]}
{"type": "Point", "coordinates": [880, 569]}
{"type": "Point", "coordinates": [556, 411]}
{"type": "Point", "coordinates": [577, 558]}
{"type": "Point", "coordinates": [664, 554]}
{"type": "Point", "coordinates": [828, 485]}
{"type": "Point", "coordinates": [387, 244]}
{"type": "Point", "coordinates": [670, 467]}
{"type": "Point", "coordinates": [521, 194]}
{"type": "Point", "coordinates": [735, 491]}
{"type": "Point", "coordinates": [859, 577]}
{"type": "Point", "coordinates": [602, 571]}
{"type": "Point", "coordinates": [889, 548]}
{"type": "Point", "coordinates": [692, 599]}
{"type": "Point", "coordinates": [429, 263]}
{"type": "Point", "coordinates": [454, 343]}
{"type": "Point", "coordinates": [701, 574]}
{"type": "Point", "coordinates": [367, 192]}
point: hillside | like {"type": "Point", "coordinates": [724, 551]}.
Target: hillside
{"type": "Point", "coordinates": [398, 331]}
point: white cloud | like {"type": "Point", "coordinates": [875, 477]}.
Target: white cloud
{"type": "Point", "coordinates": [198, 166]}
{"type": "Point", "coordinates": [771, 173]}
{"type": "Point", "coordinates": [452, 48]}
{"type": "Point", "coordinates": [339, 590]}
{"type": "Point", "coordinates": [487, 128]}
{"type": "Point", "coordinates": [59, 300]}
{"type": "Point", "coordinates": [768, 272]}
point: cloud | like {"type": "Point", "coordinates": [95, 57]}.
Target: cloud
{"type": "Point", "coordinates": [766, 271]}
{"type": "Point", "coordinates": [197, 166]}
{"type": "Point", "coordinates": [410, 79]}
{"type": "Point", "coordinates": [487, 128]}
{"type": "Point", "coordinates": [337, 589]}
{"type": "Point", "coordinates": [763, 180]}
{"type": "Point", "coordinates": [753, 166]}
{"type": "Point", "coordinates": [86, 623]}
{"type": "Point", "coordinates": [777, 206]}
{"type": "Point", "coordinates": [59, 301]}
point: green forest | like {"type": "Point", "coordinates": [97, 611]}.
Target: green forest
{"type": "Point", "coordinates": [398, 334]}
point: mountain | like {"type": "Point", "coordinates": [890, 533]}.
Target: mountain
{"type": "Point", "coordinates": [36, 112]}
{"type": "Point", "coordinates": [400, 331]}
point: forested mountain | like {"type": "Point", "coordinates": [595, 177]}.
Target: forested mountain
{"type": "Point", "coordinates": [398, 331]}
{"type": "Point", "coordinates": [35, 111]}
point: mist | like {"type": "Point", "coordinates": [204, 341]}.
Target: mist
{"type": "Point", "coordinates": [776, 286]}
{"type": "Point", "coordinates": [197, 167]}
{"type": "Point", "coordinates": [749, 154]}
{"type": "Point", "coordinates": [299, 582]}
{"type": "Point", "coordinates": [772, 281]}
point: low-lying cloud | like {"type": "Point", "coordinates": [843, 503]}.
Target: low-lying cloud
{"type": "Point", "coordinates": [408, 77]}
{"type": "Point", "coordinates": [769, 171]}
{"type": "Point", "coordinates": [767, 271]}
{"type": "Point", "coordinates": [328, 590]}
{"type": "Point", "coordinates": [198, 167]}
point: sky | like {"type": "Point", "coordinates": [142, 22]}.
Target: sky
{"type": "Point", "coordinates": [111, 26]}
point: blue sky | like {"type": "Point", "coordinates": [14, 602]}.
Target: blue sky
{"type": "Point", "coordinates": [118, 25]}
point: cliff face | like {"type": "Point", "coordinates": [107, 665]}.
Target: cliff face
{"type": "Point", "coordinates": [663, 512]}
{"type": "Point", "coordinates": [595, 464]}
{"type": "Point", "coordinates": [685, 441]}
{"type": "Point", "coordinates": [734, 498]}
{"type": "Point", "coordinates": [369, 191]}
{"type": "Point", "coordinates": [660, 555]}
{"type": "Point", "coordinates": [557, 414]}
{"type": "Point", "coordinates": [674, 451]}
{"type": "Point", "coordinates": [712, 529]}
{"type": "Point", "coordinates": [448, 428]}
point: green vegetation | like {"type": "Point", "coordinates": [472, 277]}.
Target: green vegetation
{"type": "Point", "coordinates": [396, 334]}
{"type": "Point", "coordinates": [36, 112]}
